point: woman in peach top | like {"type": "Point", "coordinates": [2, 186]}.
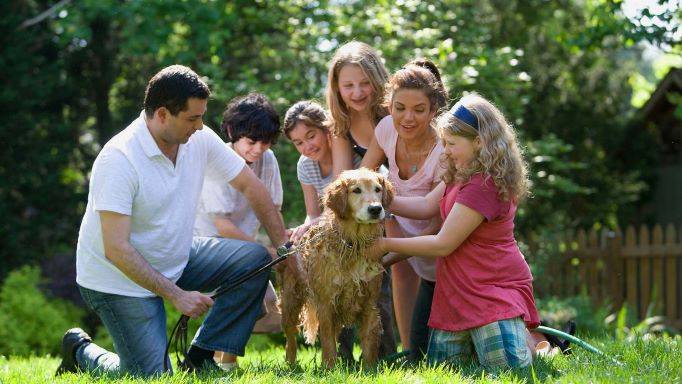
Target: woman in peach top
{"type": "Point", "coordinates": [408, 140]}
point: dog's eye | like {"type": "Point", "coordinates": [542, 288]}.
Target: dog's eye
{"type": "Point", "coordinates": [377, 189]}
{"type": "Point", "coordinates": [357, 190]}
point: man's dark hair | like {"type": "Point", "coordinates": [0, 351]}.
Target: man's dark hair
{"type": "Point", "coordinates": [171, 88]}
{"type": "Point", "coordinates": [251, 116]}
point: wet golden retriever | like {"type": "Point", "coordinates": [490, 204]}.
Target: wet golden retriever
{"type": "Point", "coordinates": [337, 285]}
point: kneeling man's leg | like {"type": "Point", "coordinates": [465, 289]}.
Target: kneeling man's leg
{"type": "Point", "coordinates": [216, 262]}
{"type": "Point", "coordinates": [137, 326]}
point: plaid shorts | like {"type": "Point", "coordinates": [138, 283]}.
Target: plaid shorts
{"type": "Point", "coordinates": [498, 345]}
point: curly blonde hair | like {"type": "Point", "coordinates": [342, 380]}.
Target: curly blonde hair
{"type": "Point", "coordinates": [499, 156]}
{"type": "Point", "coordinates": [368, 60]}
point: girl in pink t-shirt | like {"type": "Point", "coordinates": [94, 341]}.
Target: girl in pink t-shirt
{"type": "Point", "coordinates": [483, 300]}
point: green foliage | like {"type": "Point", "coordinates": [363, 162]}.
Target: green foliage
{"type": "Point", "coordinates": [559, 70]}
{"type": "Point", "coordinates": [626, 327]}
{"type": "Point", "coordinates": [31, 322]}
{"type": "Point", "coordinates": [42, 168]}
{"type": "Point", "coordinates": [588, 317]}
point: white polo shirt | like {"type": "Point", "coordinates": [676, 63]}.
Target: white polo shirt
{"type": "Point", "coordinates": [131, 176]}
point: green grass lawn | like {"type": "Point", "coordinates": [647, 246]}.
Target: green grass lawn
{"type": "Point", "coordinates": [658, 360]}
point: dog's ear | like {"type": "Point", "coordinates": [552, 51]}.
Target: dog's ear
{"type": "Point", "coordinates": [388, 192]}
{"type": "Point", "coordinates": [336, 197]}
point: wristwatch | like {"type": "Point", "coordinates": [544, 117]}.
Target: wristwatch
{"type": "Point", "coordinates": [284, 249]}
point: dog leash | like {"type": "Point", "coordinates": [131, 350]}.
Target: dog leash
{"type": "Point", "coordinates": [178, 337]}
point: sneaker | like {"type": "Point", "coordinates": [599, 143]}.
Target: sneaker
{"type": "Point", "coordinates": [72, 340]}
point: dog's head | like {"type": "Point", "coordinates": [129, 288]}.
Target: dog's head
{"type": "Point", "coordinates": [360, 194]}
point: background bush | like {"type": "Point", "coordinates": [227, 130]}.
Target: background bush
{"type": "Point", "coordinates": [32, 323]}
{"type": "Point", "coordinates": [589, 317]}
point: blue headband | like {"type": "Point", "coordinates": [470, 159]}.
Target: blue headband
{"type": "Point", "coordinates": [461, 112]}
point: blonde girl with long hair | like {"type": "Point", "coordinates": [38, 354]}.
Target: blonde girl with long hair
{"type": "Point", "coordinates": [354, 94]}
{"type": "Point", "coordinates": [483, 301]}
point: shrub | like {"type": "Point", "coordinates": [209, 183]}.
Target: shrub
{"type": "Point", "coordinates": [32, 324]}
{"type": "Point", "coordinates": [589, 318]}
{"type": "Point", "coordinates": [625, 325]}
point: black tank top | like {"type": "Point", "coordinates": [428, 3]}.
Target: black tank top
{"type": "Point", "coordinates": [356, 147]}
{"type": "Point", "coordinates": [361, 150]}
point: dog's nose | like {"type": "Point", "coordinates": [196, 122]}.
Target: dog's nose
{"type": "Point", "coordinates": [375, 210]}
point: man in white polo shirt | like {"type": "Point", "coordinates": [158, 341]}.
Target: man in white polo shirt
{"type": "Point", "coordinates": [135, 246]}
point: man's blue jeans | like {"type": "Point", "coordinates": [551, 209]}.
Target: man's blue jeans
{"type": "Point", "coordinates": [138, 325]}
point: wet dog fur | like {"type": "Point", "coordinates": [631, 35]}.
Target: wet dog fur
{"type": "Point", "coordinates": [337, 285]}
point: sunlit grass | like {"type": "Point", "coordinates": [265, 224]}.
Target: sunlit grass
{"type": "Point", "coordinates": [647, 361]}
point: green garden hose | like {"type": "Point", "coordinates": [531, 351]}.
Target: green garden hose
{"type": "Point", "coordinates": [574, 340]}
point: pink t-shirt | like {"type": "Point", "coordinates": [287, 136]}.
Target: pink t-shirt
{"type": "Point", "coordinates": [420, 184]}
{"type": "Point", "coordinates": [486, 278]}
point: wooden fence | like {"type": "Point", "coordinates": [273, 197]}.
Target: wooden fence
{"type": "Point", "coordinates": [636, 267]}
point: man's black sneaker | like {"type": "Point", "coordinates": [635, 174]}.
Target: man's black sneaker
{"type": "Point", "coordinates": [73, 338]}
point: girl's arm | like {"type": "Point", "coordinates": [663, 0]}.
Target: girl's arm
{"type": "Point", "coordinates": [374, 157]}
{"type": "Point", "coordinates": [312, 202]}
{"type": "Point", "coordinates": [312, 210]}
{"type": "Point", "coordinates": [418, 207]}
{"type": "Point", "coordinates": [393, 258]}
{"type": "Point", "coordinates": [342, 155]}
{"type": "Point", "coordinates": [226, 228]}
{"type": "Point", "coordinates": [459, 224]}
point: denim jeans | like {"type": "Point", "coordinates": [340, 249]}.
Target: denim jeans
{"type": "Point", "coordinates": [137, 325]}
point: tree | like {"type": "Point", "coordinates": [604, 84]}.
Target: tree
{"type": "Point", "coordinates": [558, 70]}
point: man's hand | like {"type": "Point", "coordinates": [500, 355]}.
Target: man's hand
{"type": "Point", "coordinates": [290, 264]}
{"type": "Point", "coordinates": [192, 303]}
{"type": "Point", "coordinates": [279, 267]}
{"type": "Point", "coordinates": [298, 232]}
